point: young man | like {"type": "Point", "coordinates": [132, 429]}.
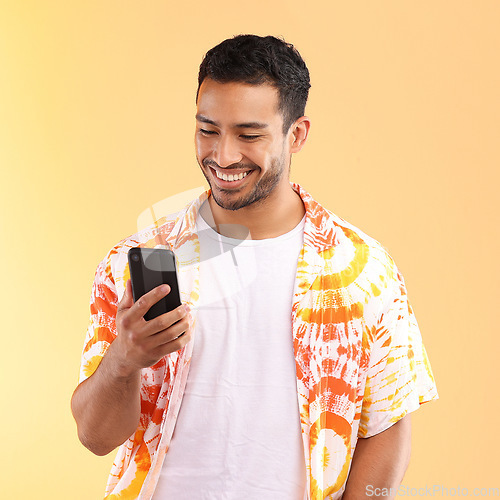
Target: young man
{"type": "Point", "coordinates": [292, 370]}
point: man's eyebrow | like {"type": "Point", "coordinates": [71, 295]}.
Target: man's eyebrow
{"type": "Point", "coordinates": [258, 125]}
{"type": "Point", "coordinates": [251, 125]}
{"type": "Point", "coordinates": [204, 119]}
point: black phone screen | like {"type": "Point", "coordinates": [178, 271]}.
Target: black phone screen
{"type": "Point", "coordinates": [152, 267]}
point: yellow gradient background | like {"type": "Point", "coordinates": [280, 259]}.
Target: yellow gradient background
{"type": "Point", "coordinates": [96, 124]}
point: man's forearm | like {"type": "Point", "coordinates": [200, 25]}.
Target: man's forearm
{"type": "Point", "coordinates": [107, 407]}
{"type": "Point", "coordinates": [379, 463]}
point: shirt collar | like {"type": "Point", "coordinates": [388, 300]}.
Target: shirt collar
{"type": "Point", "coordinates": [319, 232]}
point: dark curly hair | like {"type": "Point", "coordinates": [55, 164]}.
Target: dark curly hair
{"type": "Point", "coordinates": [258, 60]}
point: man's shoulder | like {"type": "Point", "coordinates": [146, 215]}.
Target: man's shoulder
{"type": "Point", "coordinates": [355, 235]}
{"type": "Point", "coordinates": [345, 248]}
{"type": "Point", "coordinates": [358, 261]}
{"type": "Point", "coordinates": [324, 220]}
{"type": "Point", "coordinates": [329, 231]}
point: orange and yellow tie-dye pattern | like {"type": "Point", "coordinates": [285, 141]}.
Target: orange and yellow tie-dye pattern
{"type": "Point", "coordinates": [360, 361]}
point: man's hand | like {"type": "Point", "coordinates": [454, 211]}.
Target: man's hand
{"type": "Point", "coordinates": [140, 343]}
{"type": "Point", "coordinates": [107, 406]}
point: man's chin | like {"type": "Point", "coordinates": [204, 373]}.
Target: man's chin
{"type": "Point", "coordinates": [228, 199]}
{"type": "Point", "coordinates": [253, 199]}
{"type": "Point", "coordinates": [229, 205]}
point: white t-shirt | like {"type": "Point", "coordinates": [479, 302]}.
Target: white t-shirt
{"type": "Point", "coordinates": [238, 432]}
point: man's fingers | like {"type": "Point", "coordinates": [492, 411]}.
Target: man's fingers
{"type": "Point", "coordinates": [166, 320]}
{"type": "Point", "coordinates": [127, 299]}
{"type": "Point", "coordinates": [179, 333]}
{"type": "Point", "coordinates": [144, 303]}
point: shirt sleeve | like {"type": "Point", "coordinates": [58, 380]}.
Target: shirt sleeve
{"type": "Point", "coordinates": [101, 330]}
{"type": "Point", "coordinates": [399, 375]}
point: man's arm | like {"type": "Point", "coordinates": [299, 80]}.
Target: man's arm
{"type": "Point", "coordinates": [380, 462]}
{"type": "Point", "coordinates": [107, 406]}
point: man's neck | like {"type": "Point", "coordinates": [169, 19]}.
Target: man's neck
{"type": "Point", "coordinates": [267, 219]}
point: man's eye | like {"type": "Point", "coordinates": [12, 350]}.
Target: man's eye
{"type": "Point", "coordinates": [207, 132]}
{"type": "Point", "coordinates": [249, 137]}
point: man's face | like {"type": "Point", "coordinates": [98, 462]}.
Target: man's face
{"type": "Point", "coordinates": [239, 136]}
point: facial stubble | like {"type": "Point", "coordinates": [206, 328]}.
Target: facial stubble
{"type": "Point", "coordinates": [262, 189]}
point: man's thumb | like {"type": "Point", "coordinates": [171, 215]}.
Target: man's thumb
{"type": "Point", "coordinates": [127, 299]}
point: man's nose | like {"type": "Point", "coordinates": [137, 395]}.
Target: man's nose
{"type": "Point", "coordinates": [227, 151]}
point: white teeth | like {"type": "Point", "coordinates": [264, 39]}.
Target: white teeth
{"type": "Point", "coordinates": [231, 177]}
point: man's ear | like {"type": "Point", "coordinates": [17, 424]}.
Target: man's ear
{"type": "Point", "coordinates": [299, 132]}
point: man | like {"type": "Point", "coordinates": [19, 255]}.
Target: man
{"type": "Point", "coordinates": [291, 368]}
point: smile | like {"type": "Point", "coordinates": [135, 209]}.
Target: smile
{"type": "Point", "coordinates": [230, 177]}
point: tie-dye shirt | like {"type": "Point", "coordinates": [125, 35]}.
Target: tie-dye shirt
{"type": "Point", "coordinates": [360, 362]}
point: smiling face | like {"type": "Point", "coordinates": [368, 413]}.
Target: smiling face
{"type": "Point", "coordinates": [240, 145]}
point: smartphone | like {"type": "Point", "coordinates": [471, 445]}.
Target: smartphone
{"type": "Point", "coordinates": [152, 267]}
